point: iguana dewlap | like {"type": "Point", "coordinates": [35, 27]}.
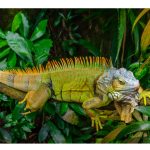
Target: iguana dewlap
{"type": "Point", "coordinates": [91, 81]}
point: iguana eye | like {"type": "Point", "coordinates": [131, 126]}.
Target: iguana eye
{"type": "Point", "coordinates": [122, 82]}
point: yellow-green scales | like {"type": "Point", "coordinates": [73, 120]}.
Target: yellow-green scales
{"type": "Point", "coordinates": [70, 79]}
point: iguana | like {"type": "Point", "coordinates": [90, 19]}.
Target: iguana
{"type": "Point", "coordinates": [92, 81]}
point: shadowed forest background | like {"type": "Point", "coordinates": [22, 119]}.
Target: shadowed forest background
{"type": "Point", "coordinates": [30, 37]}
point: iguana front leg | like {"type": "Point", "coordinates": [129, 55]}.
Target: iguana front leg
{"type": "Point", "coordinates": [95, 115]}
{"type": "Point", "coordinates": [35, 100]}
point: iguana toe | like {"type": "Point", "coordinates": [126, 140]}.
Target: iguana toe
{"type": "Point", "coordinates": [144, 95]}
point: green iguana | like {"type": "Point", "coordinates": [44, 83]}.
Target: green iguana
{"type": "Point", "coordinates": [92, 81]}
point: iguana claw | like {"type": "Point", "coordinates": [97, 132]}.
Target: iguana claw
{"type": "Point", "coordinates": [143, 95]}
{"type": "Point", "coordinates": [96, 122]}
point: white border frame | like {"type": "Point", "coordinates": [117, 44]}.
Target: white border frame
{"type": "Point", "coordinates": [74, 3]}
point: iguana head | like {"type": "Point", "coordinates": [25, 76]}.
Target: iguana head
{"type": "Point", "coordinates": [121, 87]}
{"type": "Point", "coordinates": [118, 84]}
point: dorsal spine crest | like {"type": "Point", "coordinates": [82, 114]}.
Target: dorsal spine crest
{"type": "Point", "coordinates": [64, 63]}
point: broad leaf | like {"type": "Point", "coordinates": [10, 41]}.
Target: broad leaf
{"type": "Point", "coordinates": [26, 129]}
{"type": "Point", "coordinates": [19, 45]}
{"type": "Point", "coordinates": [145, 39]}
{"type": "Point", "coordinates": [39, 30]}
{"type": "Point", "coordinates": [3, 64]}
{"type": "Point", "coordinates": [16, 113]}
{"type": "Point", "coordinates": [25, 25]}
{"type": "Point", "coordinates": [42, 49]}
{"type": "Point", "coordinates": [3, 43]}
{"type": "Point", "coordinates": [20, 20]}
{"type": "Point", "coordinates": [4, 53]}
{"type": "Point", "coordinates": [144, 110]}
{"type": "Point", "coordinates": [12, 59]}
{"type": "Point", "coordinates": [43, 134]}
{"type": "Point", "coordinates": [5, 136]}
{"type": "Point", "coordinates": [140, 73]}
{"type": "Point", "coordinates": [78, 109]}
{"type": "Point", "coordinates": [49, 108]}
{"type": "Point", "coordinates": [63, 108]}
{"type": "Point", "coordinates": [16, 22]}
{"type": "Point", "coordinates": [60, 123]}
{"type": "Point", "coordinates": [55, 133]}
{"type": "Point", "coordinates": [134, 127]}
{"type": "Point", "coordinates": [134, 66]}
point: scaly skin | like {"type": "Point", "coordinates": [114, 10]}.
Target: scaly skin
{"type": "Point", "coordinates": [90, 81]}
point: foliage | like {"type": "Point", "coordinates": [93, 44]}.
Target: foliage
{"type": "Point", "coordinates": [122, 34]}
{"type": "Point", "coordinates": [20, 47]}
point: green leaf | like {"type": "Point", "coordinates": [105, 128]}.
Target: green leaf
{"type": "Point", "coordinates": [84, 137]}
{"type": "Point", "coordinates": [60, 123]}
{"type": "Point", "coordinates": [43, 134]}
{"type": "Point", "coordinates": [143, 12]}
{"type": "Point", "coordinates": [39, 30]}
{"type": "Point", "coordinates": [144, 110]}
{"type": "Point", "coordinates": [140, 73]}
{"type": "Point", "coordinates": [19, 45]}
{"type": "Point", "coordinates": [121, 30]}
{"type": "Point", "coordinates": [5, 135]}
{"type": "Point", "coordinates": [39, 17]}
{"type": "Point", "coordinates": [20, 21]}
{"type": "Point", "coordinates": [2, 35]}
{"type": "Point", "coordinates": [3, 43]}
{"type": "Point", "coordinates": [4, 98]}
{"type": "Point", "coordinates": [4, 53]}
{"type": "Point", "coordinates": [11, 60]}
{"type": "Point", "coordinates": [113, 134]}
{"type": "Point", "coordinates": [91, 48]}
{"type": "Point", "coordinates": [78, 109]}
{"type": "Point", "coordinates": [146, 139]}
{"type": "Point", "coordinates": [55, 133]}
{"type": "Point", "coordinates": [134, 66]}
{"type": "Point", "coordinates": [145, 39]}
{"type": "Point", "coordinates": [27, 129]}
{"type": "Point", "coordinates": [134, 138]}
{"type": "Point", "coordinates": [25, 25]}
{"type": "Point", "coordinates": [134, 127]}
{"type": "Point", "coordinates": [3, 64]}
{"type": "Point", "coordinates": [16, 22]}
{"type": "Point", "coordinates": [135, 32]}
{"type": "Point", "coordinates": [42, 49]}
{"type": "Point", "coordinates": [49, 108]}
{"type": "Point", "coordinates": [16, 114]}
{"type": "Point", "coordinates": [63, 108]}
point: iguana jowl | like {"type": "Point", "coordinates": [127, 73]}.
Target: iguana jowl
{"type": "Point", "coordinates": [91, 81]}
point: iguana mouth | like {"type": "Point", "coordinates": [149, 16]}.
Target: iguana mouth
{"type": "Point", "coordinates": [131, 98]}
{"type": "Point", "coordinates": [128, 90]}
